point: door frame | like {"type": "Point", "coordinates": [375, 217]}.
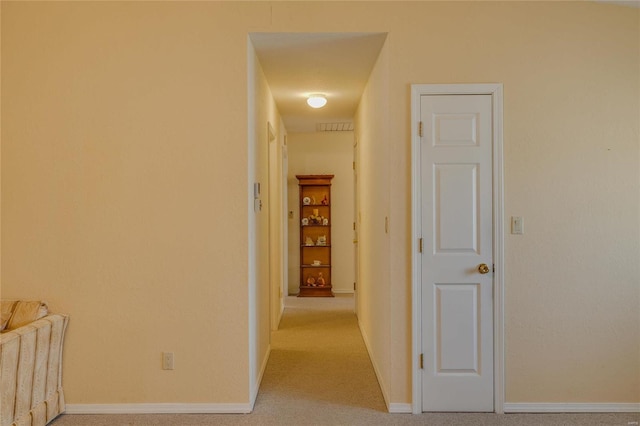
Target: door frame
{"type": "Point", "coordinates": [495, 90]}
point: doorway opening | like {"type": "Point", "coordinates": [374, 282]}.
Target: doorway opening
{"type": "Point", "coordinates": [283, 70]}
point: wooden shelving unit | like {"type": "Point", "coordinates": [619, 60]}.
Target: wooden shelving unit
{"type": "Point", "coordinates": [315, 235]}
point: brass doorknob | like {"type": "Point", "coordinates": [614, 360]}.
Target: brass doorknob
{"type": "Point", "coordinates": [483, 268]}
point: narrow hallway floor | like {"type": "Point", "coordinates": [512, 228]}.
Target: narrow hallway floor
{"type": "Point", "coordinates": [319, 363]}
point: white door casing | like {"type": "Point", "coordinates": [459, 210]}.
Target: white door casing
{"type": "Point", "coordinates": [356, 224]}
{"type": "Point", "coordinates": [457, 211]}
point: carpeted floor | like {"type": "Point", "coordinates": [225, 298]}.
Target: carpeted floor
{"type": "Point", "coordinates": [319, 373]}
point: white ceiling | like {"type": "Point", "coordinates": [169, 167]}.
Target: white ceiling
{"type": "Point", "coordinates": [335, 64]}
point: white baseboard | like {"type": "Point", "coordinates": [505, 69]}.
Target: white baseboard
{"type": "Point", "coordinates": [213, 408]}
{"type": "Point", "coordinates": [375, 367]}
{"type": "Point", "coordinates": [169, 408]}
{"type": "Point", "coordinates": [342, 291]}
{"type": "Point", "coordinates": [529, 407]}
{"type": "Point", "coordinates": [400, 408]}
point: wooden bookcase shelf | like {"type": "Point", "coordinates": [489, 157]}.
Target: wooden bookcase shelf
{"type": "Point", "coordinates": [315, 235]}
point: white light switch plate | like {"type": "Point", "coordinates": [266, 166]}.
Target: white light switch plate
{"type": "Point", "coordinates": [167, 360]}
{"type": "Point", "coordinates": [517, 225]}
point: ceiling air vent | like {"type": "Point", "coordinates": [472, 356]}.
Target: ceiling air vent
{"type": "Point", "coordinates": [334, 127]}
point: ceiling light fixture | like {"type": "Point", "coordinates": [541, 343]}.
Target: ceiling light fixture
{"type": "Point", "coordinates": [316, 101]}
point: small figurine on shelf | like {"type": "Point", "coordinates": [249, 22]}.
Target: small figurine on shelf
{"type": "Point", "coordinates": [325, 200]}
{"type": "Point", "coordinates": [320, 280]}
{"type": "Point", "coordinates": [325, 221]}
{"type": "Point", "coordinates": [308, 241]}
{"type": "Point", "coordinates": [314, 219]}
{"type": "Point", "coordinates": [322, 240]}
{"type": "Point", "coordinates": [311, 281]}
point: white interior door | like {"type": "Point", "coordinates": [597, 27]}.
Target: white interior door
{"type": "Point", "coordinates": [456, 221]}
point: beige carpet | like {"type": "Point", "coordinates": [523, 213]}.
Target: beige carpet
{"type": "Point", "coordinates": [319, 373]}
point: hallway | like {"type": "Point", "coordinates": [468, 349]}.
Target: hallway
{"type": "Point", "coordinates": [319, 363]}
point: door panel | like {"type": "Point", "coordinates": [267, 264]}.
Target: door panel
{"type": "Point", "coordinates": [454, 129]}
{"type": "Point", "coordinates": [457, 328]}
{"type": "Point", "coordinates": [456, 208]}
{"type": "Point", "coordinates": [457, 220]}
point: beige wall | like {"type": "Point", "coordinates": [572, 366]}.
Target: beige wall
{"type": "Point", "coordinates": [571, 170]}
{"type": "Point", "coordinates": [125, 192]}
{"type": "Point", "coordinates": [125, 186]}
{"type": "Point", "coordinates": [324, 153]}
{"type": "Point", "coordinates": [374, 289]}
{"type": "Point", "coordinates": [263, 270]}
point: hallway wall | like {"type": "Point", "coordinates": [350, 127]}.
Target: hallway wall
{"type": "Point", "coordinates": [374, 285]}
{"type": "Point", "coordinates": [264, 269]}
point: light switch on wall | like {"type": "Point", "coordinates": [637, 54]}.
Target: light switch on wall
{"type": "Point", "coordinates": [517, 225]}
{"type": "Point", "coordinates": [167, 360]}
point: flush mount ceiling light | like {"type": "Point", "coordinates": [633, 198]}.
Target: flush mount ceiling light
{"type": "Point", "coordinates": [316, 101]}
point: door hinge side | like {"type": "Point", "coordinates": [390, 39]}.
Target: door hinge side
{"type": "Point", "coordinates": [354, 165]}
{"type": "Point", "coordinates": [420, 128]}
{"type": "Point", "coordinates": [494, 267]}
{"type": "Point", "coordinates": [354, 286]}
{"type": "Point", "coordinates": [420, 245]}
{"type": "Point", "coordinates": [421, 361]}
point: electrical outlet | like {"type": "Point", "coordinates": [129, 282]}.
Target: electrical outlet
{"type": "Point", "coordinates": [167, 360]}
